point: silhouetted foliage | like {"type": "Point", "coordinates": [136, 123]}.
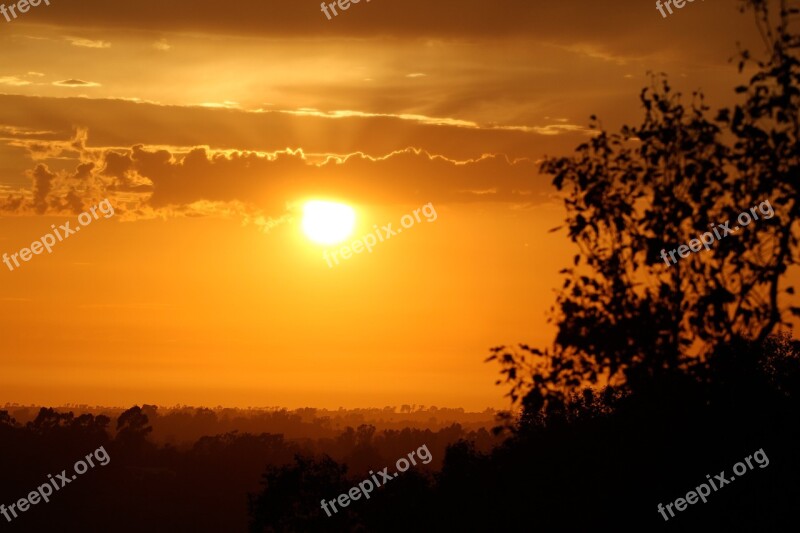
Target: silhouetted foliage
{"type": "Point", "coordinates": [204, 486]}
{"type": "Point", "coordinates": [624, 316]}
{"type": "Point", "coordinates": [661, 374]}
{"type": "Point", "coordinates": [290, 499]}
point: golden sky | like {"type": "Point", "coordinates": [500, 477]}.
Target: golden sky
{"type": "Point", "coordinates": [208, 125]}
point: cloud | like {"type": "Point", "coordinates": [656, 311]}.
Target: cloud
{"type": "Point", "coordinates": [596, 52]}
{"type": "Point", "coordinates": [161, 45]}
{"type": "Point", "coordinates": [437, 121]}
{"type": "Point", "coordinates": [553, 129]}
{"type": "Point", "coordinates": [123, 123]}
{"type": "Point", "coordinates": [148, 182]}
{"type": "Point", "coordinates": [271, 180]}
{"type": "Point", "coordinates": [503, 64]}
{"type": "Point", "coordinates": [17, 132]}
{"type": "Point", "coordinates": [627, 28]}
{"type": "Point", "coordinates": [88, 43]}
{"type": "Point", "coordinates": [221, 105]}
{"type": "Point", "coordinates": [75, 83]}
{"type": "Point", "coordinates": [13, 81]}
{"type": "Point", "coordinates": [42, 185]}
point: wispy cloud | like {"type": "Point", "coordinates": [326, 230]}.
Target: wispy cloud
{"type": "Point", "coordinates": [21, 132]}
{"type": "Point", "coordinates": [75, 83]}
{"type": "Point", "coordinates": [13, 81]}
{"type": "Point", "coordinates": [435, 121]}
{"type": "Point", "coordinates": [550, 129]}
{"type": "Point", "coordinates": [88, 43]}
{"type": "Point", "coordinates": [221, 105]}
{"type": "Point", "coordinates": [162, 45]}
{"type": "Point", "coordinates": [595, 51]}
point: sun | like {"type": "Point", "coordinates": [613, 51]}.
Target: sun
{"type": "Point", "coordinates": [328, 222]}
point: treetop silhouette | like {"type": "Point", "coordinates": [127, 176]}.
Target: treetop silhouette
{"type": "Point", "coordinates": [623, 316]}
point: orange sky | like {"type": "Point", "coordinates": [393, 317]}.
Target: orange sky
{"type": "Point", "coordinates": [202, 121]}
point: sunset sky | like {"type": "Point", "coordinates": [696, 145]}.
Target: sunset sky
{"type": "Point", "coordinates": [208, 125]}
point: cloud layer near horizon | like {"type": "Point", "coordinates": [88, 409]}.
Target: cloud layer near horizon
{"type": "Point", "coordinates": [198, 107]}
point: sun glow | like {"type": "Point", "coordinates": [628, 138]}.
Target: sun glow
{"type": "Point", "coordinates": [328, 222]}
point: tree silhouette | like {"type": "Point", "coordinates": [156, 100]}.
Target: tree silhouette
{"type": "Point", "coordinates": [628, 316]}
{"type": "Point", "coordinates": [290, 500]}
{"type": "Point", "coordinates": [132, 430]}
